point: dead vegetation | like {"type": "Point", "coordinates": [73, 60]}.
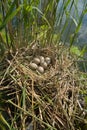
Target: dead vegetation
{"type": "Point", "coordinates": [37, 101]}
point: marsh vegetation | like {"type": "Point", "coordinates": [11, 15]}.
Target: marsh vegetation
{"type": "Point", "coordinates": [36, 93]}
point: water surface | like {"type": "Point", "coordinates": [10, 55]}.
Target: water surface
{"type": "Point", "coordinates": [81, 39]}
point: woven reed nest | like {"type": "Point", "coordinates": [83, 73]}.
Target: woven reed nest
{"type": "Point", "coordinates": [43, 101]}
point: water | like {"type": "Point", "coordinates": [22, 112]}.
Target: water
{"type": "Point", "coordinates": [81, 39]}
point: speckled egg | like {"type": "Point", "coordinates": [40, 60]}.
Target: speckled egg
{"type": "Point", "coordinates": [44, 65]}
{"type": "Point", "coordinates": [40, 69]}
{"type": "Point", "coordinates": [33, 66]}
{"type": "Point", "coordinates": [48, 60]}
{"type": "Point", "coordinates": [36, 61]}
{"type": "Point", "coordinates": [42, 59]}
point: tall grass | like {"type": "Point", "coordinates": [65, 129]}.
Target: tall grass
{"type": "Point", "coordinates": [23, 20]}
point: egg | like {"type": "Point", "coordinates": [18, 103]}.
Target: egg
{"type": "Point", "coordinates": [44, 65]}
{"type": "Point", "coordinates": [41, 69]}
{"type": "Point", "coordinates": [36, 60]}
{"type": "Point", "coordinates": [42, 59]}
{"type": "Point", "coordinates": [48, 60]}
{"type": "Point", "coordinates": [33, 66]}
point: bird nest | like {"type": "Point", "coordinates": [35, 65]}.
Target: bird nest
{"type": "Point", "coordinates": [40, 101]}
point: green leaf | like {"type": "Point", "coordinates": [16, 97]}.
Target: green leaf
{"type": "Point", "coordinates": [84, 49]}
{"type": "Point", "coordinates": [75, 50]}
{"type": "Point", "coordinates": [42, 15]}
{"type": "Point", "coordinates": [3, 121]}
{"type": "Point", "coordinates": [10, 15]}
{"type": "Point", "coordinates": [67, 3]}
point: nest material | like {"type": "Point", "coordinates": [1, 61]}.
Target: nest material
{"type": "Point", "coordinates": [46, 100]}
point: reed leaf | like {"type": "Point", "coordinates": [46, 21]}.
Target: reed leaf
{"type": "Point", "coordinates": [4, 122]}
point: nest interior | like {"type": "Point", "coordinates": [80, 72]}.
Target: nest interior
{"type": "Point", "coordinates": [41, 101]}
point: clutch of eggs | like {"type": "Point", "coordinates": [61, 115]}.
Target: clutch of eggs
{"type": "Point", "coordinates": [40, 63]}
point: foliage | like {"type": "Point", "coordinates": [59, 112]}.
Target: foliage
{"type": "Point", "coordinates": [23, 20]}
{"type": "Point", "coordinates": [76, 51]}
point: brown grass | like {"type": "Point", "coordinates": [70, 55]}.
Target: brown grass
{"type": "Point", "coordinates": [42, 101]}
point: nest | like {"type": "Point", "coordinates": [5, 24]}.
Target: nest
{"type": "Point", "coordinates": [41, 101]}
